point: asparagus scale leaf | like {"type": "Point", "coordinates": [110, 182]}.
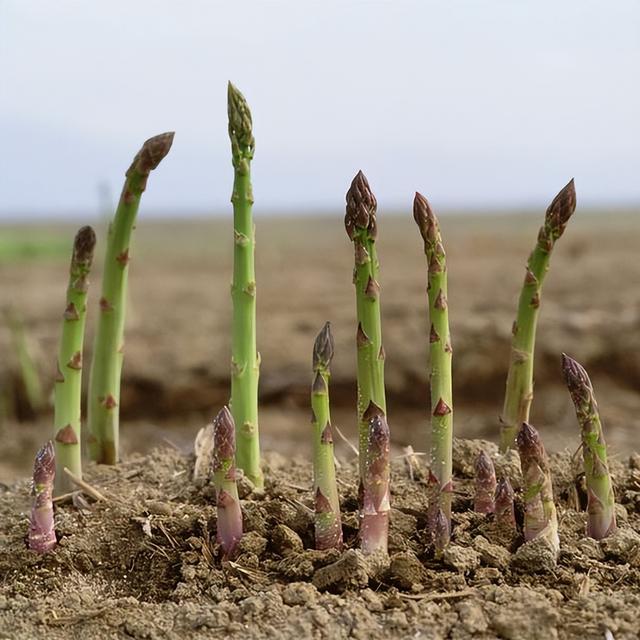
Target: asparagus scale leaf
{"type": "Point", "coordinates": [519, 389]}
{"type": "Point", "coordinates": [601, 521]}
{"type": "Point", "coordinates": [245, 360]}
{"type": "Point", "coordinates": [108, 349]}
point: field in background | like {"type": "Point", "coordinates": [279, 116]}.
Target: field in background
{"type": "Point", "coordinates": [178, 333]}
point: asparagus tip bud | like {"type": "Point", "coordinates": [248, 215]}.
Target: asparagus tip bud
{"type": "Point", "coordinates": [528, 439]}
{"type": "Point", "coordinates": [83, 245]}
{"type": "Point", "coordinates": [575, 374]}
{"type": "Point", "coordinates": [152, 152]}
{"type": "Point", "coordinates": [561, 208]}
{"type": "Point", "coordinates": [441, 532]}
{"type": "Point", "coordinates": [224, 437]}
{"type": "Point", "coordinates": [240, 122]}
{"type": "Point", "coordinates": [361, 207]}
{"type": "Point", "coordinates": [424, 217]}
{"type": "Point", "coordinates": [323, 348]}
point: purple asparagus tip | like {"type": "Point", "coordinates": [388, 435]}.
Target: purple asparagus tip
{"type": "Point", "coordinates": [224, 438]}
{"type": "Point", "coordinates": [504, 509]}
{"type": "Point", "coordinates": [323, 348]}
{"type": "Point", "coordinates": [485, 484]}
{"type": "Point", "coordinates": [361, 207]}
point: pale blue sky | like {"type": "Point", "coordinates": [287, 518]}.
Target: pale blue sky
{"type": "Point", "coordinates": [477, 104]}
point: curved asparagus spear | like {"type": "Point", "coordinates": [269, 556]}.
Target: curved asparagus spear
{"type": "Point", "coordinates": [439, 351]}
{"type": "Point", "coordinates": [108, 349]}
{"type": "Point", "coordinates": [42, 534]}
{"type": "Point", "coordinates": [601, 502]}
{"type": "Point", "coordinates": [328, 527]}
{"type": "Point", "coordinates": [68, 387]}
{"type": "Point", "coordinates": [504, 508]}
{"type": "Point", "coordinates": [360, 224]}
{"type": "Point", "coordinates": [229, 528]}
{"type": "Point", "coordinates": [374, 523]}
{"type": "Point", "coordinates": [485, 485]}
{"type": "Point", "coordinates": [540, 518]}
{"type": "Point", "coordinates": [245, 360]}
{"type": "Point", "coordinates": [519, 390]}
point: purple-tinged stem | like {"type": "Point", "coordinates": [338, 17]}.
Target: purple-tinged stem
{"type": "Point", "coordinates": [504, 509]}
{"type": "Point", "coordinates": [42, 533]}
{"type": "Point", "coordinates": [229, 529]}
{"type": "Point", "coordinates": [485, 484]}
{"type": "Point", "coordinates": [374, 525]}
{"type": "Point", "coordinates": [540, 519]}
{"type": "Point", "coordinates": [601, 508]}
{"type": "Point", "coordinates": [441, 533]}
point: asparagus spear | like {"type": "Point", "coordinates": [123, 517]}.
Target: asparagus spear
{"type": "Point", "coordinates": [540, 520]}
{"type": "Point", "coordinates": [68, 387]}
{"type": "Point", "coordinates": [245, 360]}
{"type": "Point", "coordinates": [374, 523]}
{"type": "Point", "coordinates": [42, 534]}
{"type": "Point", "coordinates": [601, 502]}
{"type": "Point", "coordinates": [440, 352]}
{"type": "Point", "coordinates": [108, 349]}
{"type": "Point", "coordinates": [519, 390]}
{"type": "Point", "coordinates": [328, 527]}
{"type": "Point", "coordinates": [360, 224]}
{"type": "Point", "coordinates": [441, 532]}
{"type": "Point", "coordinates": [484, 501]}
{"type": "Point", "coordinates": [229, 530]}
{"type": "Point", "coordinates": [504, 508]}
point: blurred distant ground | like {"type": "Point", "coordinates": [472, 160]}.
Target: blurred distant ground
{"type": "Point", "coordinates": [178, 328]}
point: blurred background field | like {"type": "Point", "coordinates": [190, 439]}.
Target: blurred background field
{"type": "Point", "coordinates": [177, 338]}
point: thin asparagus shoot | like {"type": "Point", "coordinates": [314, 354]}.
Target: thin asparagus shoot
{"type": "Point", "coordinates": [485, 484]}
{"type": "Point", "coordinates": [245, 360]}
{"type": "Point", "coordinates": [374, 523]}
{"type": "Point", "coordinates": [440, 352]}
{"type": "Point", "coordinates": [504, 507]}
{"type": "Point", "coordinates": [361, 227]}
{"type": "Point", "coordinates": [108, 349]}
{"type": "Point", "coordinates": [601, 521]}
{"type": "Point", "coordinates": [519, 388]}
{"type": "Point", "coordinates": [441, 533]}
{"type": "Point", "coordinates": [68, 381]}
{"type": "Point", "coordinates": [42, 534]}
{"type": "Point", "coordinates": [229, 530]}
{"type": "Point", "coordinates": [328, 527]}
{"type": "Point", "coordinates": [540, 519]}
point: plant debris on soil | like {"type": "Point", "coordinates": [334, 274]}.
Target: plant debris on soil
{"type": "Point", "coordinates": [143, 563]}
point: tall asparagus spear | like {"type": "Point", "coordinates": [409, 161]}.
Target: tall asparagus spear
{"type": "Point", "coordinates": [360, 224]}
{"type": "Point", "coordinates": [601, 502]}
{"type": "Point", "coordinates": [245, 360]}
{"type": "Point", "coordinates": [68, 387]}
{"type": "Point", "coordinates": [485, 485]}
{"type": "Point", "coordinates": [440, 352]}
{"type": "Point", "coordinates": [42, 534]}
{"type": "Point", "coordinates": [229, 531]}
{"type": "Point", "coordinates": [540, 519]}
{"type": "Point", "coordinates": [519, 391]}
{"type": "Point", "coordinates": [374, 523]}
{"type": "Point", "coordinates": [108, 349]}
{"type": "Point", "coordinates": [328, 527]}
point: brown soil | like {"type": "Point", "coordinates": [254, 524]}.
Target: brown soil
{"type": "Point", "coordinates": [143, 564]}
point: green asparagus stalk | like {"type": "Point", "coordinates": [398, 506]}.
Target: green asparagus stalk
{"type": "Point", "coordinates": [540, 519]}
{"type": "Point", "coordinates": [374, 523]}
{"type": "Point", "coordinates": [519, 390]}
{"type": "Point", "coordinates": [108, 349]}
{"type": "Point", "coordinates": [42, 534]}
{"type": "Point", "coordinates": [440, 352]}
{"type": "Point", "coordinates": [328, 527]}
{"type": "Point", "coordinates": [485, 484]}
{"type": "Point", "coordinates": [245, 360]}
{"type": "Point", "coordinates": [600, 499]}
{"type": "Point", "coordinates": [68, 387]}
{"type": "Point", "coordinates": [504, 508]}
{"type": "Point", "coordinates": [229, 529]}
{"type": "Point", "coordinates": [360, 224]}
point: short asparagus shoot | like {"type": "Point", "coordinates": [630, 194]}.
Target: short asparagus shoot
{"type": "Point", "coordinates": [601, 521]}
{"type": "Point", "coordinates": [108, 349]}
{"type": "Point", "coordinates": [519, 390]}
{"type": "Point", "coordinates": [504, 509]}
{"type": "Point", "coordinates": [440, 352]}
{"type": "Point", "coordinates": [328, 527]}
{"type": "Point", "coordinates": [42, 534]}
{"type": "Point", "coordinates": [245, 360]}
{"type": "Point", "coordinates": [540, 519]}
{"type": "Point", "coordinates": [485, 484]}
{"type": "Point", "coordinates": [361, 227]}
{"type": "Point", "coordinates": [374, 522]}
{"type": "Point", "coordinates": [229, 529]}
{"type": "Point", "coordinates": [68, 381]}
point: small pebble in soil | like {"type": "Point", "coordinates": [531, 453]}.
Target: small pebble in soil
{"type": "Point", "coordinates": [535, 556]}
{"type": "Point", "coordinates": [285, 540]}
{"type": "Point", "coordinates": [623, 545]}
{"type": "Point", "coordinates": [406, 571]}
{"type": "Point", "coordinates": [463, 559]}
{"type": "Point", "coordinates": [491, 555]}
